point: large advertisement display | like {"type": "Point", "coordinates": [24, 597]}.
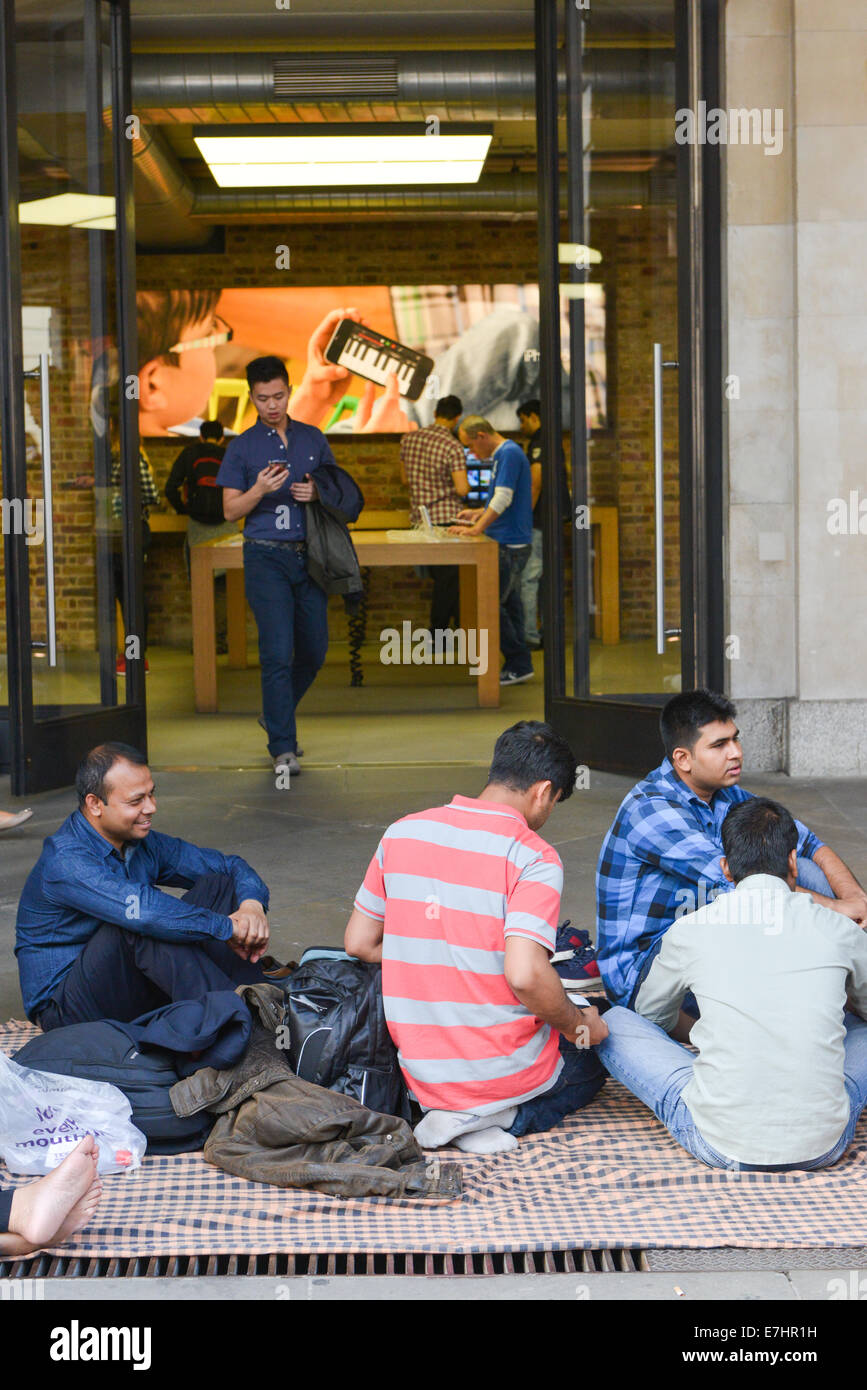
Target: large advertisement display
{"type": "Point", "coordinates": [360, 358]}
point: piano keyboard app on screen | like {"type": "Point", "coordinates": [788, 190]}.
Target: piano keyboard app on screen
{"type": "Point", "coordinates": [367, 353]}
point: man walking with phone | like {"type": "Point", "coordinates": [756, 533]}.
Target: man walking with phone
{"type": "Point", "coordinates": [269, 475]}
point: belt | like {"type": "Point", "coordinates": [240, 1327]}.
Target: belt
{"type": "Point", "coordinates": [279, 545]}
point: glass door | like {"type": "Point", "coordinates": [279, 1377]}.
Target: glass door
{"type": "Point", "coordinates": [630, 617]}
{"type": "Point", "coordinates": [72, 669]}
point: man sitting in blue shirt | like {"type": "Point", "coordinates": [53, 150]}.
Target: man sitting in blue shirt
{"type": "Point", "coordinates": [507, 517]}
{"type": "Point", "coordinates": [661, 858]}
{"type": "Point", "coordinates": [95, 937]}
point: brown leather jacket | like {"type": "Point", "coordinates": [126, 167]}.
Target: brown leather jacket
{"type": "Point", "coordinates": [275, 1128]}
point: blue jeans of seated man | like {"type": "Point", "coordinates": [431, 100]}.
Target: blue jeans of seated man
{"type": "Point", "coordinates": [516, 653]}
{"type": "Point", "coordinates": [291, 613]}
{"type": "Point", "coordinates": [580, 1079]}
{"type": "Point", "coordinates": [809, 876]}
{"type": "Point", "coordinates": [657, 1069]}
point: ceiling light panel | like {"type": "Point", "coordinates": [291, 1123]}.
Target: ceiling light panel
{"type": "Point", "coordinates": [343, 159]}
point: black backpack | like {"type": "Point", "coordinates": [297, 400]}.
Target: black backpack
{"type": "Point", "coordinates": [203, 497]}
{"type": "Point", "coordinates": [337, 1034]}
{"type": "Point", "coordinates": [102, 1052]}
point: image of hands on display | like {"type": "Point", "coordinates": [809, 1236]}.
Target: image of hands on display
{"type": "Point", "coordinates": [324, 385]}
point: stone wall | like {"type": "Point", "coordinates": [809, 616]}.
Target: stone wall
{"type": "Point", "coordinates": [797, 331]}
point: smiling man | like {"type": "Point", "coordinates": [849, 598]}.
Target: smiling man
{"type": "Point", "coordinates": [661, 858]}
{"type": "Point", "coordinates": [95, 936]}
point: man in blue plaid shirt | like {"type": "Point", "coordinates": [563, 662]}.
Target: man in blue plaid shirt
{"type": "Point", "coordinates": [661, 857]}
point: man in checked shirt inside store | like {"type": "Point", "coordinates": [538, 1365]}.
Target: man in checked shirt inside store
{"type": "Point", "coordinates": [434, 468]}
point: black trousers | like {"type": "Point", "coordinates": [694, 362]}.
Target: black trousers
{"type": "Point", "coordinates": [446, 597]}
{"type": "Point", "coordinates": [6, 1195]}
{"type": "Point", "coordinates": [121, 974]}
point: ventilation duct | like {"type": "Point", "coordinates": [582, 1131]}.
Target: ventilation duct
{"type": "Point", "coordinates": [495, 195]}
{"type": "Point", "coordinates": [203, 87]}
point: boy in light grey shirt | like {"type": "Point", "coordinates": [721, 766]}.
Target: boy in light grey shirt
{"type": "Point", "coordinates": [781, 1076]}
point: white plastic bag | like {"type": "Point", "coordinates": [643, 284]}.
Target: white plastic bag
{"type": "Point", "coordinates": [43, 1117]}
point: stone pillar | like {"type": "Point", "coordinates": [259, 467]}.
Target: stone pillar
{"type": "Point", "coordinates": [796, 305]}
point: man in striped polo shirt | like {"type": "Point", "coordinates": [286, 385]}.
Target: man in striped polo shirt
{"type": "Point", "coordinates": [460, 904]}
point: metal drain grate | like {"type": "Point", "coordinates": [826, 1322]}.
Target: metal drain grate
{"type": "Point", "coordinates": [282, 1266]}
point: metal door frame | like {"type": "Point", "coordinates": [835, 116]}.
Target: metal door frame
{"type": "Point", "coordinates": [622, 735]}
{"type": "Point", "coordinates": [42, 754]}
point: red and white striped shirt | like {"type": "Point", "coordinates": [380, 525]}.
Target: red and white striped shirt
{"type": "Point", "coordinates": [450, 884]}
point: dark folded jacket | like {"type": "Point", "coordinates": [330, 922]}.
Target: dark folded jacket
{"type": "Point", "coordinates": [275, 1128]}
{"type": "Point", "coordinates": [331, 559]}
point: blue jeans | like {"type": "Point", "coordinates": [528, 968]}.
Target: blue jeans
{"type": "Point", "coordinates": [657, 1069]}
{"type": "Point", "coordinates": [121, 974]}
{"type": "Point", "coordinates": [582, 1076]}
{"type": "Point", "coordinates": [809, 876]}
{"type": "Point", "coordinates": [291, 613]}
{"type": "Point", "coordinates": [516, 653]}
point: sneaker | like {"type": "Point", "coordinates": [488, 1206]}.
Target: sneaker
{"type": "Point", "coordinates": [508, 677]}
{"type": "Point", "coordinates": [299, 751]}
{"type": "Point", "coordinates": [287, 762]}
{"type": "Point", "coordinates": [575, 957]}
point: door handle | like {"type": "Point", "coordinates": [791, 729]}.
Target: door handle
{"type": "Point", "coordinates": [659, 495]}
{"type": "Point", "coordinates": [47, 502]}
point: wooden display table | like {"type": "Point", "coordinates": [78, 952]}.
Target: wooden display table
{"type": "Point", "coordinates": [480, 599]}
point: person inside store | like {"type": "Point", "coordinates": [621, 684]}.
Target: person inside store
{"type": "Point", "coordinates": [489, 1043]}
{"type": "Point", "coordinates": [97, 938]}
{"type": "Point", "coordinates": [507, 518]}
{"type": "Point", "coordinates": [192, 490]}
{"type": "Point", "coordinates": [781, 1076]}
{"type": "Point", "coordinates": [47, 1212]}
{"type": "Point", "coordinates": [530, 425]}
{"type": "Point", "coordinates": [269, 475]}
{"type": "Point", "coordinates": [433, 467]}
{"type": "Point", "coordinates": [660, 859]}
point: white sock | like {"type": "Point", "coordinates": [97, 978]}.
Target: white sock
{"type": "Point", "coordinates": [492, 1140]}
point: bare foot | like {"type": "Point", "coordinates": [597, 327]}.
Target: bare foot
{"type": "Point", "coordinates": [81, 1215]}
{"type": "Point", "coordinates": [41, 1209]}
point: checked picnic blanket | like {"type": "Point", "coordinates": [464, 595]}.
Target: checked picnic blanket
{"type": "Point", "coordinates": [609, 1177]}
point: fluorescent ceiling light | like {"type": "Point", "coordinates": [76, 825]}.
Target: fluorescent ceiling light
{"type": "Point", "coordinates": [68, 210]}
{"type": "Point", "coordinates": [343, 159]}
{"type": "Point", "coordinates": [98, 224]}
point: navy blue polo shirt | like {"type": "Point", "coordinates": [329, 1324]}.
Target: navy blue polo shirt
{"type": "Point", "coordinates": [510, 468]}
{"type": "Point", "coordinates": [278, 517]}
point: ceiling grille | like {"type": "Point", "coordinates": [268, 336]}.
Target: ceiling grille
{"type": "Point", "coordinates": [314, 78]}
